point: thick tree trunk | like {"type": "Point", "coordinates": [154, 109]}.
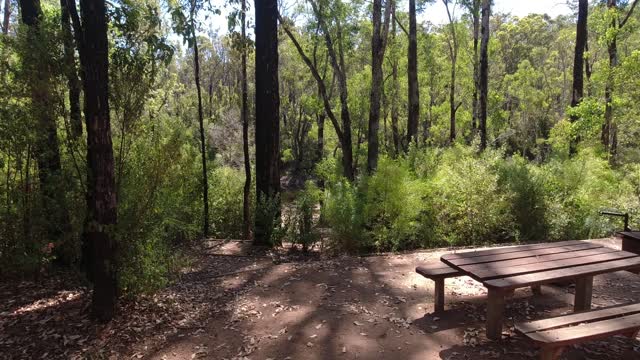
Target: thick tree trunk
{"type": "Point", "coordinates": [203, 143]}
{"type": "Point", "coordinates": [47, 146]}
{"type": "Point", "coordinates": [267, 118]}
{"type": "Point", "coordinates": [71, 70]}
{"type": "Point", "coordinates": [101, 195]}
{"type": "Point", "coordinates": [412, 75]}
{"type": "Point", "coordinates": [578, 63]}
{"type": "Point", "coordinates": [484, 72]}
{"type": "Point", "coordinates": [246, 199]}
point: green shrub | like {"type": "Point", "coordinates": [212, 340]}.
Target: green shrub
{"type": "Point", "coordinates": [300, 224]}
{"type": "Point", "coordinates": [342, 210]}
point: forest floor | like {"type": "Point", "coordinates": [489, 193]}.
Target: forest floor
{"type": "Point", "coordinates": [235, 304]}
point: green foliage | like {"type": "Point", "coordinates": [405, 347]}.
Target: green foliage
{"type": "Point", "coordinates": [300, 221]}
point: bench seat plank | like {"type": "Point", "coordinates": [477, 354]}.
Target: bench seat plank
{"type": "Point", "coordinates": [508, 249]}
{"type": "Point", "coordinates": [519, 254]}
{"type": "Point", "coordinates": [577, 318]}
{"type": "Point", "coordinates": [492, 272]}
{"type": "Point", "coordinates": [596, 330]}
{"type": "Point", "coordinates": [541, 258]}
{"type": "Point", "coordinates": [543, 277]}
{"type": "Point", "coordinates": [435, 272]}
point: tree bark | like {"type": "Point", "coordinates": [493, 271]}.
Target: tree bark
{"type": "Point", "coordinates": [71, 70]}
{"type": "Point", "coordinates": [453, 54]}
{"type": "Point", "coordinates": [578, 63]}
{"type": "Point", "coordinates": [7, 17]}
{"type": "Point", "coordinates": [475, 14]}
{"type": "Point", "coordinates": [47, 152]}
{"type": "Point", "coordinates": [246, 199]}
{"type": "Point", "coordinates": [203, 143]}
{"type": "Point", "coordinates": [395, 133]}
{"type": "Point", "coordinates": [99, 242]}
{"type": "Point", "coordinates": [412, 75]}
{"type": "Point", "coordinates": [483, 77]}
{"type": "Point", "coordinates": [267, 117]}
{"type": "Point", "coordinates": [377, 52]}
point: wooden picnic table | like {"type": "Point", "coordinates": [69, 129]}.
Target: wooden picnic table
{"type": "Point", "coordinates": [502, 270]}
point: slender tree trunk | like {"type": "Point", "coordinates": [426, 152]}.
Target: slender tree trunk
{"type": "Point", "coordinates": [377, 52]}
{"type": "Point", "coordinates": [7, 17]}
{"type": "Point", "coordinates": [320, 144]}
{"type": "Point", "coordinates": [475, 13]}
{"type": "Point", "coordinates": [587, 67]}
{"type": "Point", "coordinates": [203, 143]}
{"type": "Point", "coordinates": [246, 203]}
{"type": "Point", "coordinates": [100, 244]}
{"type": "Point", "coordinates": [578, 64]}
{"type": "Point", "coordinates": [71, 70]}
{"type": "Point", "coordinates": [267, 117]}
{"type": "Point", "coordinates": [453, 54]}
{"type": "Point", "coordinates": [484, 72]}
{"type": "Point", "coordinates": [395, 133]}
{"type": "Point", "coordinates": [609, 136]}
{"type": "Point", "coordinates": [412, 75]}
{"type": "Point", "coordinates": [47, 146]}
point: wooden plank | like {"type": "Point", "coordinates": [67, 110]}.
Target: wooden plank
{"type": "Point", "coordinates": [508, 249]}
{"type": "Point", "coordinates": [497, 270]}
{"type": "Point", "coordinates": [577, 318]}
{"type": "Point", "coordinates": [519, 254]}
{"type": "Point", "coordinates": [543, 277]}
{"type": "Point", "coordinates": [591, 331]}
{"type": "Point", "coordinates": [536, 259]}
{"type": "Point", "coordinates": [438, 296]}
{"type": "Point", "coordinates": [438, 273]}
{"type": "Point", "coordinates": [436, 264]}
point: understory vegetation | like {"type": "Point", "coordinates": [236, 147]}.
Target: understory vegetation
{"type": "Point", "coordinates": [429, 171]}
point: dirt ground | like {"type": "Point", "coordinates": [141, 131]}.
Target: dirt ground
{"type": "Point", "coordinates": [236, 305]}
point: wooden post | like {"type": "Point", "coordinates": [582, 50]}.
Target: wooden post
{"type": "Point", "coordinates": [550, 353]}
{"type": "Point", "coordinates": [495, 313]}
{"type": "Point", "coordinates": [438, 298]}
{"type": "Point", "coordinates": [584, 287]}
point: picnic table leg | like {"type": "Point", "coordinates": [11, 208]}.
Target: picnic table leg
{"type": "Point", "coordinates": [438, 298]}
{"type": "Point", "coordinates": [584, 287]}
{"type": "Point", "coordinates": [495, 313]}
{"type": "Point", "coordinates": [536, 289]}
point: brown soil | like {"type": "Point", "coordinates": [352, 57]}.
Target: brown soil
{"type": "Point", "coordinates": [254, 305]}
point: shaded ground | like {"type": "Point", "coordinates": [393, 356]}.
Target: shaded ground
{"type": "Point", "coordinates": [265, 306]}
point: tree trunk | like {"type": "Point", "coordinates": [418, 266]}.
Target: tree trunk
{"type": "Point", "coordinates": [475, 13]}
{"type": "Point", "coordinates": [578, 64]}
{"type": "Point", "coordinates": [453, 54]}
{"type": "Point", "coordinates": [395, 133]}
{"type": "Point", "coordinates": [246, 200]}
{"type": "Point", "coordinates": [203, 143]}
{"type": "Point", "coordinates": [377, 52]}
{"type": "Point", "coordinates": [47, 152]}
{"type": "Point", "coordinates": [7, 17]}
{"type": "Point", "coordinates": [412, 75]}
{"type": "Point", "coordinates": [71, 70]}
{"type": "Point", "coordinates": [484, 72]}
{"type": "Point", "coordinates": [267, 118]}
{"type": "Point", "coordinates": [345, 143]}
{"type": "Point", "coordinates": [101, 192]}
{"type": "Point", "coordinates": [609, 136]}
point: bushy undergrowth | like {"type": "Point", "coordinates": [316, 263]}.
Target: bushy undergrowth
{"type": "Point", "coordinates": [456, 196]}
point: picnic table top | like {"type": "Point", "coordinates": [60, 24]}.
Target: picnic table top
{"type": "Point", "coordinates": [526, 265]}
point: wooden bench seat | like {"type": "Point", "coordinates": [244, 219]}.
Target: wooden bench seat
{"type": "Point", "coordinates": [437, 271]}
{"type": "Point", "coordinates": [555, 333]}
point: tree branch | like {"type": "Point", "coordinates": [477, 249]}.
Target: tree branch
{"type": "Point", "coordinates": [628, 13]}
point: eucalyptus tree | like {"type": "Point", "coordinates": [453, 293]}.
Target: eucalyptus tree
{"type": "Point", "coordinates": [483, 72]}
{"type": "Point", "coordinates": [185, 23]}
{"type": "Point", "coordinates": [452, 44]}
{"type": "Point", "coordinates": [267, 121]}
{"type": "Point", "coordinates": [578, 62]}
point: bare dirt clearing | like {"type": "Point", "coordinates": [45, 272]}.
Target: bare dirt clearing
{"type": "Point", "coordinates": [251, 305]}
